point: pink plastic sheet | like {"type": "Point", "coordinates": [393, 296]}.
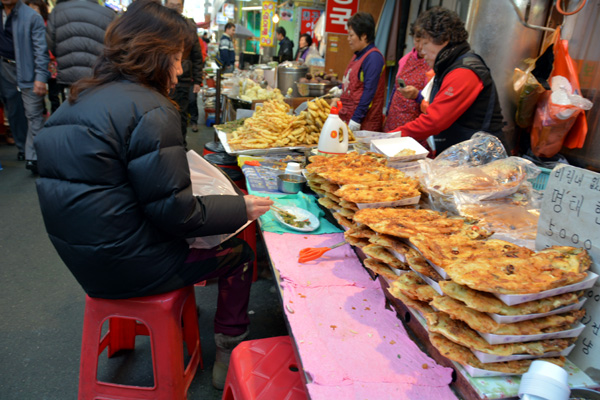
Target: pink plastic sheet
{"type": "Point", "coordinates": [350, 345]}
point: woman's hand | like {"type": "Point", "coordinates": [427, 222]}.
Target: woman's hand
{"type": "Point", "coordinates": [409, 92]}
{"type": "Point", "coordinates": [256, 206]}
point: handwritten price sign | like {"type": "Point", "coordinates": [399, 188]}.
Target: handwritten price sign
{"type": "Point", "coordinates": [570, 216]}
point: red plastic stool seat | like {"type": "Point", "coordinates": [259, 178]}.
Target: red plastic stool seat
{"type": "Point", "coordinates": [169, 319]}
{"type": "Point", "coordinates": [264, 369]}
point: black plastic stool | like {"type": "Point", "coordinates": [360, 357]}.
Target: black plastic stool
{"type": "Point", "coordinates": [236, 176]}
{"type": "Point", "coordinates": [213, 147]}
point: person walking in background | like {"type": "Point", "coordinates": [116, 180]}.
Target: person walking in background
{"type": "Point", "coordinates": [306, 50]}
{"type": "Point", "coordinates": [192, 63]}
{"type": "Point", "coordinates": [24, 72]}
{"type": "Point", "coordinates": [56, 93]}
{"type": "Point", "coordinates": [115, 189]}
{"type": "Point", "coordinates": [286, 46]}
{"type": "Point", "coordinates": [363, 95]}
{"type": "Point", "coordinates": [226, 49]}
{"type": "Point", "coordinates": [410, 80]}
{"type": "Point", "coordinates": [75, 35]}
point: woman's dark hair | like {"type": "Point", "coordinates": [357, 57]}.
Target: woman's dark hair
{"type": "Point", "coordinates": [362, 23]}
{"type": "Point", "coordinates": [41, 5]}
{"type": "Point", "coordinates": [307, 38]}
{"type": "Point", "coordinates": [280, 30]}
{"type": "Point", "coordinates": [139, 47]}
{"type": "Point", "coordinates": [441, 25]}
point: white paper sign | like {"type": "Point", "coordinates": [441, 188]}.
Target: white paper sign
{"type": "Point", "coordinates": [570, 216]}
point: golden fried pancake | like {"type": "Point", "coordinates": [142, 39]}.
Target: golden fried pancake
{"type": "Point", "coordinates": [390, 242]}
{"type": "Point", "coordinates": [348, 204]}
{"type": "Point", "coordinates": [362, 231]}
{"type": "Point", "coordinates": [463, 355]}
{"type": "Point", "coordinates": [380, 268]}
{"type": "Point", "coordinates": [381, 254]}
{"type": "Point", "coordinates": [343, 221]}
{"type": "Point", "coordinates": [445, 250]}
{"type": "Point", "coordinates": [460, 333]}
{"type": "Point", "coordinates": [332, 196]}
{"type": "Point", "coordinates": [328, 203]}
{"type": "Point", "coordinates": [547, 269]}
{"type": "Point", "coordinates": [358, 242]}
{"type": "Point", "coordinates": [404, 222]}
{"type": "Point", "coordinates": [346, 212]}
{"type": "Point", "coordinates": [420, 306]}
{"type": "Point", "coordinates": [481, 322]}
{"type": "Point", "coordinates": [414, 287]}
{"type": "Point", "coordinates": [376, 192]}
{"type": "Point", "coordinates": [418, 263]}
{"type": "Point", "coordinates": [485, 302]}
{"type": "Point", "coordinates": [343, 176]}
{"type": "Point", "coordinates": [330, 188]}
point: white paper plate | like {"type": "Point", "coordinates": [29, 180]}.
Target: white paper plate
{"type": "Point", "coordinates": [301, 214]}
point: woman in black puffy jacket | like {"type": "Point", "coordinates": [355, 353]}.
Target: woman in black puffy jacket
{"type": "Point", "coordinates": [114, 186]}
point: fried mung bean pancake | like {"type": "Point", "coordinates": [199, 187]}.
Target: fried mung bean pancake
{"type": "Point", "coordinates": [362, 231]}
{"type": "Point", "coordinates": [358, 242]}
{"type": "Point", "coordinates": [343, 221]}
{"type": "Point", "coordinates": [420, 306]}
{"type": "Point", "coordinates": [482, 322]}
{"type": "Point", "coordinates": [414, 287]}
{"type": "Point", "coordinates": [418, 263]}
{"type": "Point", "coordinates": [381, 254]}
{"type": "Point", "coordinates": [463, 355]}
{"type": "Point", "coordinates": [486, 302]}
{"type": "Point", "coordinates": [547, 269]}
{"type": "Point", "coordinates": [380, 268]}
{"type": "Point", "coordinates": [376, 192]}
{"type": "Point", "coordinates": [328, 203]}
{"type": "Point", "coordinates": [390, 242]}
{"type": "Point", "coordinates": [460, 333]}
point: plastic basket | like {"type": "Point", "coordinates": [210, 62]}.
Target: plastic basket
{"type": "Point", "coordinates": [539, 183]}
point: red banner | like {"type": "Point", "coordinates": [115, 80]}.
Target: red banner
{"type": "Point", "coordinates": [308, 19]}
{"type": "Point", "coordinates": [338, 14]}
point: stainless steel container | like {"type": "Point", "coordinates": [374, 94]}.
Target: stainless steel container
{"type": "Point", "coordinates": [313, 89]}
{"type": "Point", "coordinates": [288, 183]}
{"type": "Point", "coordinates": [287, 76]}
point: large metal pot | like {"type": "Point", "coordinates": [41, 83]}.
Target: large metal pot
{"type": "Point", "coordinates": [288, 75]}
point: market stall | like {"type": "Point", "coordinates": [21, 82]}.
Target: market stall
{"type": "Point", "coordinates": [419, 226]}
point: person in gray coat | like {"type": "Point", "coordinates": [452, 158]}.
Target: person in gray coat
{"type": "Point", "coordinates": [75, 35]}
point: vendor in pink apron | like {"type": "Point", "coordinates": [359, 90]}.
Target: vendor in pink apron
{"type": "Point", "coordinates": [363, 93]}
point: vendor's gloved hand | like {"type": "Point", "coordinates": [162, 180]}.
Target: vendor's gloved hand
{"type": "Point", "coordinates": [335, 91]}
{"type": "Point", "coordinates": [353, 126]}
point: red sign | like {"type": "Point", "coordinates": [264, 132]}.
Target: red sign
{"type": "Point", "coordinates": [338, 14]}
{"type": "Point", "coordinates": [308, 19]}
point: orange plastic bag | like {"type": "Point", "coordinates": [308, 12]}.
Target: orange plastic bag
{"type": "Point", "coordinates": [549, 132]}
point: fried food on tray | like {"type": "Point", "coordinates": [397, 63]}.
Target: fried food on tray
{"type": "Point", "coordinates": [360, 232]}
{"type": "Point", "coordinates": [460, 333]}
{"type": "Point", "coordinates": [328, 203]}
{"type": "Point", "coordinates": [349, 204]}
{"type": "Point", "coordinates": [358, 242]}
{"type": "Point", "coordinates": [420, 306]}
{"type": "Point", "coordinates": [381, 254]}
{"type": "Point", "coordinates": [377, 192]}
{"type": "Point", "coordinates": [329, 187]}
{"type": "Point", "coordinates": [485, 302]}
{"type": "Point", "coordinates": [482, 322]}
{"type": "Point", "coordinates": [346, 212]}
{"type": "Point", "coordinates": [414, 287]}
{"type": "Point", "coordinates": [390, 242]}
{"type": "Point", "coordinates": [350, 160]}
{"type": "Point", "coordinates": [448, 249]}
{"type": "Point", "coordinates": [463, 355]}
{"type": "Point", "coordinates": [404, 223]}
{"type": "Point", "coordinates": [345, 175]}
{"type": "Point", "coordinates": [550, 268]}
{"type": "Point", "coordinates": [343, 221]}
{"type": "Point", "coordinates": [332, 196]}
{"type": "Point", "coordinates": [380, 268]}
{"type": "Point", "coordinates": [419, 264]}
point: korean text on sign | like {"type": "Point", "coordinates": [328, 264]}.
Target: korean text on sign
{"type": "Point", "coordinates": [338, 13]}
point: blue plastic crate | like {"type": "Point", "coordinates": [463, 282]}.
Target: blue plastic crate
{"type": "Point", "coordinates": [540, 182]}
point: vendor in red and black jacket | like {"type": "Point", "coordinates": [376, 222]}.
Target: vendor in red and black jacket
{"type": "Point", "coordinates": [463, 99]}
{"type": "Point", "coordinates": [363, 95]}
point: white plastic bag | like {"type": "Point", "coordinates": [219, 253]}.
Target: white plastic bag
{"type": "Point", "coordinates": [208, 180]}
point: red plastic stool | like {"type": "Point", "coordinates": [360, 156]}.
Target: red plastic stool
{"type": "Point", "coordinates": [169, 319]}
{"type": "Point", "coordinates": [264, 369]}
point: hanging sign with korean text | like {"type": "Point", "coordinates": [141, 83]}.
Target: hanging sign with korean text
{"type": "Point", "coordinates": [337, 15]}
{"type": "Point", "coordinates": [570, 216]}
{"type": "Point", "coordinates": [266, 23]}
{"type": "Point", "coordinates": [308, 19]}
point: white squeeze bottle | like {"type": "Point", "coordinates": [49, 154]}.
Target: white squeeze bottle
{"type": "Point", "coordinates": [329, 141]}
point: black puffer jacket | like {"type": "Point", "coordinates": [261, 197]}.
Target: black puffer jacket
{"type": "Point", "coordinates": [75, 35]}
{"type": "Point", "coordinates": [115, 191]}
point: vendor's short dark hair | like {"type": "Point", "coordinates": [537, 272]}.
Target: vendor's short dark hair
{"type": "Point", "coordinates": [280, 30]}
{"type": "Point", "coordinates": [307, 37]}
{"type": "Point", "coordinates": [362, 23]}
{"type": "Point", "coordinates": [441, 24]}
{"type": "Point", "coordinates": [229, 25]}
